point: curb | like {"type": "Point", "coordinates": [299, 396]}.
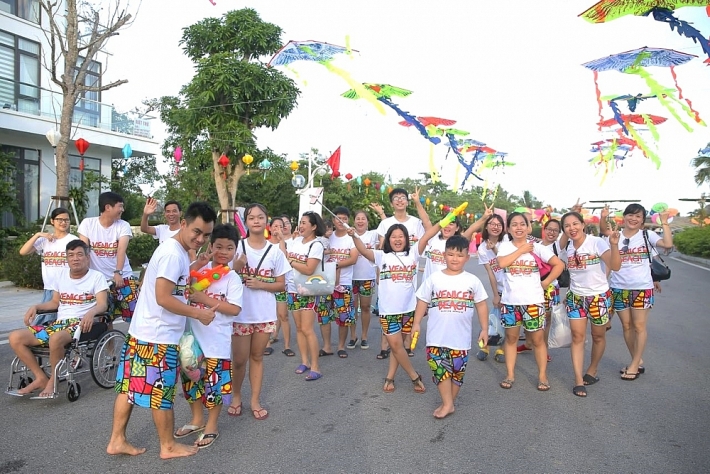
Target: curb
{"type": "Point", "coordinates": [699, 260]}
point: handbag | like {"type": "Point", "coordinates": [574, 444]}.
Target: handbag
{"type": "Point", "coordinates": [564, 279]}
{"type": "Point", "coordinates": [659, 269]}
{"type": "Point", "coordinates": [560, 331]}
{"type": "Point", "coordinates": [543, 267]}
{"type": "Point", "coordinates": [320, 283]}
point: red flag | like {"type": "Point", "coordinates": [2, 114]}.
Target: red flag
{"type": "Point", "coordinates": [334, 163]}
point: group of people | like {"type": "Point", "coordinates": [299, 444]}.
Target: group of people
{"type": "Point", "coordinates": [237, 318]}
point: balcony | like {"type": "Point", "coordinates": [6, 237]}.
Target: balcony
{"type": "Point", "coordinates": [32, 100]}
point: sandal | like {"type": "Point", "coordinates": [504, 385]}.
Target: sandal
{"type": "Point", "coordinates": [388, 383]}
{"type": "Point", "coordinates": [268, 351]}
{"type": "Point", "coordinates": [212, 437]}
{"type": "Point", "coordinates": [313, 375]}
{"type": "Point", "coordinates": [580, 391]}
{"type": "Point", "coordinates": [642, 369]}
{"type": "Point", "coordinates": [383, 354]}
{"type": "Point", "coordinates": [257, 414]}
{"type": "Point", "coordinates": [410, 352]}
{"type": "Point", "coordinates": [507, 384]}
{"type": "Point", "coordinates": [302, 368]}
{"type": "Point", "coordinates": [288, 353]}
{"type": "Point", "coordinates": [482, 354]}
{"type": "Point", "coordinates": [187, 430]}
{"type": "Point", "coordinates": [342, 354]}
{"type": "Point", "coordinates": [543, 386]}
{"type": "Point", "coordinates": [590, 379]}
{"type": "Point", "coordinates": [323, 353]}
{"type": "Point", "coordinates": [630, 376]}
{"type": "Point", "coordinates": [418, 384]}
{"type": "Point", "coordinates": [234, 410]}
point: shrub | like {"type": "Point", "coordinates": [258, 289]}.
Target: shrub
{"type": "Point", "coordinates": [694, 241]}
{"type": "Point", "coordinates": [23, 271]}
{"type": "Point", "coordinates": [140, 249]}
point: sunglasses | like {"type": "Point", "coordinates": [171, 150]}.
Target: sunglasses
{"type": "Point", "coordinates": [625, 248]}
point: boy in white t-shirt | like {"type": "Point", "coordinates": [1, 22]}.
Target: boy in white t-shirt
{"type": "Point", "coordinates": [214, 388]}
{"type": "Point", "coordinates": [450, 297]}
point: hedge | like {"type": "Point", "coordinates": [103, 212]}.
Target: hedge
{"type": "Point", "coordinates": [694, 241]}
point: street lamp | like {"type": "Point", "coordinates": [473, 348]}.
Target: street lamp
{"type": "Point", "coordinates": [53, 137]}
{"type": "Point", "coordinates": [305, 186]}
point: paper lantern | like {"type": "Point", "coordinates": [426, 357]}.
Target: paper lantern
{"type": "Point", "coordinates": [177, 154]}
{"type": "Point", "coordinates": [81, 146]}
{"type": "Point", "coordinates": [223, 161]}
{"type": "Point", "coordinates": [348, 176]}
{"type": "Point", "coordinates": [127, 151]}
{"type": "Point", "coordinates": [293, 166]}
{"type": "Point", "coordinates": [367, 182]}
{"type": "Point", "coordinates": [247, 159]}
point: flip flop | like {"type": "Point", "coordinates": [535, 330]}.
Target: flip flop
{"type": "Point", "coordinates": [257, 414]}
{"type": "Point", "coordinates": [342, 354]}
{"type": "Point", "coordinates": [312, 375]}
{"type": "Point", "coordinates": [188, 430]}
{"type": "Point", "coordinates": [302, 368]}
{"type": "Point", "coordinates": [210, 436]}
{"type": "Point", "coordinates": [590, 379]}
{"type": "Point", "coordinates": [507, 384]}
{"type": "Point", "coordinates": [323, 353]}
{"type": "Point", "coordinates": [543, 386]}
{"type": "Point", "coordinates": [234, 411]}
{"type": "Point", "coordinates": [268, 351]}
{"type": "Point", "coordinates": [642, 370]}
{"type": "Point", "coordinates": [288, 353]}
{"type": "Point", "coordinates": [630, 376]}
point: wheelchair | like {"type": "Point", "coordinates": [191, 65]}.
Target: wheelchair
{"type": "Point", "coordinates": [97, 352]}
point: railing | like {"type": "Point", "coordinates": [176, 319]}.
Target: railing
{"type": "Point", "coordinates": [32, 100]}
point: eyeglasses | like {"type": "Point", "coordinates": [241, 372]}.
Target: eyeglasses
{"type": "Point", "coordinates": [555, 231]}
{"type": "Point", "coordinates": [494, 225]}
{"type": "Point", "coordinates": [400, 198]}
{"type": "Point", "coordinates": [625, 248]}
{"type": "Point", "coordinates": [63, 221]}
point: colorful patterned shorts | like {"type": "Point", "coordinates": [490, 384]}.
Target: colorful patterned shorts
{"type": "Point", "coordinates": [552, 297]}
{"type": "Point", "coordinates": [363, 287]}
{"type": "Point", "coordinates": [595, 308]}
{"type": "Point", "coordinates": [247, 329]}
{"type": "Point", "coordinates": [318, 304]}
{"type": "Point", "coordinates": [531, 317]}
{"type": "Point", "coordinates": [342, 309]}
{"type": "Point", "coordinates": [635, 299]}
{"type": "Point", "coordinates": [394, 323]}
{"type": "Point", "coordinates": [122, 301]}
{"type": "Point", "coordinates": [281, 297]}
{"type": "Point", "coordinates": [446, 364]}
{"type": "Point", "coordinates": [147, 373]}
{"type": "Point", "coordinates": [214, 387]}
{"type": "Point", "coordinates": [42, 333]}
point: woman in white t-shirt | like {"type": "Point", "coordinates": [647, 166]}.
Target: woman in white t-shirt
{"type": "Point", "coordinates": [523, 295]}
{"type": "Point", "coordinates": [262, 267]}
{"type": "Point", "coordinates": [305, 253]}
{"type": "Point", "coordinates": [491, 237]}
{"type": "Point", "coordinates": [397, 264]}
{"type": "Point", "coordinates": [277, 236]}
{"type": "Point", "coordinates": [52, 251]}
{"type": "Point", "coordinates": [632, 284]}
{"type": "Point", "coordinates": [589, 296]}
{"type": "Point", "coordinates": [364, 275]}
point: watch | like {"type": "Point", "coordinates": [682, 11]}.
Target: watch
{"type": "Point", "coordinates": [117, 271]}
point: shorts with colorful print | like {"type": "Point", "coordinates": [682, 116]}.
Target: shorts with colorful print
{"type": "Point", "coordinates": [531, 317]}
{"type": "Point", "coordinates": [552, 297]}
{"type": "Point", "coordinates": [446, 364]}
{"type": "Point", "coordinates": [394, 323]}
{"type": "Point", "coordinates": [281, 297]}
{"type": "Point", "coordinates": [247, 329]}
{"type": "Point", "coordinates": [595, 307]}
{"type": "Point", "coordinates": [147, 373]}
{"type": "Point", "coordinates": [363, 287]}
{"type": "Point", "coordinates": [42, 333]}
{"type": "Point", "coordinates": [342, 309]}
{"type": "Point", "coordinates": [122, 301]}
{"type": "Point", "coordinates": [214, 387]}
{"type": "Point", "coordinates": [318, 304]}
{"type": "Point", "coordinates": [634, 299]}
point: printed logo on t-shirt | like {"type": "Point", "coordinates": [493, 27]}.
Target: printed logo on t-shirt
{"type": "Point", "coordinates": [338, 255]}
{"type": "Point", "coordinates": [436, 256]}
{"type": "Point", "coordinates": [265, 274]}
{"type": "Point", "coordinates": [581, 262]}
{"type": "Point", "coordinates": [73, 299]}
{"type": "Point", "coordinates": [180, 288]}
{"type": "Point", "coordinates": [105, 249]}
{"type": "Point", "coordinates": [634, 255]}
{"type": "Point", "coordinates": [216, 296]}
{"type": "Point", "coordinates": [522, 268]}
{"type": "Point", "coordinates": [54, 259]}
{"type": "Point", "coordinates": [494, 265]}
{"type": "Point", "coordinates": [398, 273]}
{"type": "Point", "coordinates": [298, 257]}
{"type": "Point", "coordinates": [452, 301]}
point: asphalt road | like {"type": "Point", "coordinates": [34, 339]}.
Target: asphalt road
{"type": "Point", "coordinates": [345, 423]}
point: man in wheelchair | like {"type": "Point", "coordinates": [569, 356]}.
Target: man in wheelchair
{"type": "Point", "coordinates": [80, 294]}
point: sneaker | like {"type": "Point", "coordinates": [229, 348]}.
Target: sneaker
{"type": "Point", "coordinates": [364, 344]}
{"type": "Point", "coordinates": [352, 343]}
{"type": "Point", "coordinates": [499, 356]}
{"type": "Point", "coordinates": [482, 354]}
{"type": "Point", "coordinates": [523, 348]}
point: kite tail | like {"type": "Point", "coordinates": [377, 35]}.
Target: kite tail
{"type": "Point", "coordinates": [456, 177]}
{"type": "Point", "coordinates": [410, 119]}
{"type": "Point", "coordinates": [647, 152]}
{"type": "Point", "coordinates": [295, 73]}
{"type": "Point", "coordinates": [361, 90]}
{"type": "Point", "coordinates": [617, 115]}
{"type": "Point", "coordinates": [683, 28]}
{"type": "Point", "coordinates": [696, 115]}
{"type": "Point", "coordinates": [599, 98]}
{"type": "Point", "coordinates": [662, 93]}
{"type": "Point", "coordinates": [495, 193]}
{"type": "Point", "coordinates": [651, 126]}
{"type": "Point", "coordinates": [432, 167]}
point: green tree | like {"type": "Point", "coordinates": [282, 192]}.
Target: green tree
{"type": "Point", "coordinates": [232, 93]}
{"type": "Point", "coordinates": [126, 177]}
{"type": "Point", "coordinates": [701, 163]}
{"type": "Point", "coordinates": [8, 192]}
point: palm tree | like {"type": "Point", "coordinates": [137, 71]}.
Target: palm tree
{"type": "Point", "coordinates": [702, 165]}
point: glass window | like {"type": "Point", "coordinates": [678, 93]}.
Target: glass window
{"type": "Point", "coordinates": [19, 74]}
{"type": "Point", "coordinates": [26, 179]}
{"type": "Point", "coordinates": [76, 180]}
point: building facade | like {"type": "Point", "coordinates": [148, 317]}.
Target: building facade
{"type": "Point", "coordinates": [30, 106]}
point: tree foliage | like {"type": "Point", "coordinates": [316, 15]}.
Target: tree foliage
{"type": "Point", "coordinates": [8, 192]}
{"type": "Point", "coordinates": [702, 165]}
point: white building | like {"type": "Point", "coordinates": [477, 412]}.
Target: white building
{"type": "Point", "coordinates": [30, 106]}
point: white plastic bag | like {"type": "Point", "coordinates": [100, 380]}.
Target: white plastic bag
{"type": "Point", "coordinates": [496, 332]}
{"type": "Point", "coordinates": [560, 332]}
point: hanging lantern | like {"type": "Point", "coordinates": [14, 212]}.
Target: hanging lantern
{"type": "Point", "coordinates": [127, 151]}
{"type": "Point", "coordinates": [367, 183]}
{"type": "Point", "coordinates": [294, 166]}
{"type": "Point", "coordinates": [81, 146]}
{"type": "Point", "coordinates": [247, 160]}
{"type": "Point", "coordinates": [336, 174]}
{"type": "Point", "coordinates": [265, 166]}
{"type": "Point", "coordinates": [177, 154]}
{"type": "Point", "coordinates": [348, 176]}
{"type": "Point", "coordinates": [359, 184]}
{"type": "Point", "coordinates": [427, 202]}
{"type": "Point", "coordinates": [377, 186]}
{"type": "Point", "coordinates": [223, 162]}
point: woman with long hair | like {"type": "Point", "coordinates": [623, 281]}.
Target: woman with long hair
{"type": "Point", "coordinates": [491, 237]}
{"type": "Point", "coordinates": [364, 275]}
{"type": "Point", "coordinates": [277, 227]}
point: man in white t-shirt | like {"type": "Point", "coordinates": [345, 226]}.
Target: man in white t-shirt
{"type": "Point", "coordinates": [79, 294]}
{"type": "Point", "coordinates": [108, 235]}
{"type": "Point", "coordinates": [415, 226]}
{"type": "Point", "coordinates": [172, 211]}
{"type": "Point", "coordinates": [148, 369]}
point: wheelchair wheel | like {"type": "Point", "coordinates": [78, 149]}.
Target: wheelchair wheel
{"type": "Point", "coordinates": [106, 357]}
{"type": "Point", "coordinates": [73, 392]}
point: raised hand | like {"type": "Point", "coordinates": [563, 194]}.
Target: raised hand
{"type": "Point", "coordinates": [150, 206]}
{"type": "Point", "coordinates": [488, 212]}
{"type": "Point", "coordinates": [663, 217]}
{"type": "Point", "coordinates": [578, 206]}
{"type": "Point", "coordinates": [615, 236]}
{"type": "Point", "coordinates": [415, 194]}
{"type": "Point", "coordinates": [204, 258]}
{"type": "Point", "coordinates": [240, 262]}
{"type": "Point", "coordinates": [605, 212]}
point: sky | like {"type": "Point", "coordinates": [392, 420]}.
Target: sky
{"type": "Point", "coordinates": [509, 72]}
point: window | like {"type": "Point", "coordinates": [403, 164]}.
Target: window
{"type": "Point", "coordinates": [87, 110]}
{"type": "Point", "coordinates": [77, 178]}
{"type": "Point", "coordinates": [26, 178]}
{"type": "Point", "coordinates": [25, 9]}
{"type": "Point", "coordinates": [19, 73]}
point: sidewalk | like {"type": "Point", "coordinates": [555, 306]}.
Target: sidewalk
{"type": "Point", "coordinates": [15, 302]}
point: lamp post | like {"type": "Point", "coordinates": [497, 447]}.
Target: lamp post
{"type": "Point", "coordinates": [304, 187]}
{"type": "Point", "coordinates": [53, 137]}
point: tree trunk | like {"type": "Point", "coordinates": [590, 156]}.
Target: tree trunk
{"type": "Point", "coordinates": [62, 151]}
{"type": "Point", "coordinates": [226, 188]}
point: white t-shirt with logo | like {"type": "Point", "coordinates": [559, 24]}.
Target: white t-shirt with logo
{"type": "Point", "coordinates": [521, 282]}
{"type": "Point", "coordinates": [434, 254]}
{"type": "Point", "coordinates": [364, 269]}
{"type": "Point", "coordinates": [397, 282]}
{"type": "Point", "coordinates": [452, 300]}
{"type": "Point", "coordinates": [260, 305]}
{"type": "Point", "coordinates": [104, 244]}
{"type": "Point", "coordinates": [77, 296]}
{"type": "Point", "coordinates": [341, 249]}
{"type": "Point", "coordinates": [486, 256]}
{"type": "Point", "coordinates": [163, 232]}
{"type": "Point", "coordinates": [54, 258]}
{"type": "Point", "coordinates": [635, 271]}
{"type": "Point", "coordinates": [586, 269]}
{"type": "Point", "coordinates": [151, 322]}
{"type": "Point", "coordinates": [414, 226]}
{"type": "Point", "coordinates": [302, 252]}
{"type": "Point", "coordinates": [215, 339]}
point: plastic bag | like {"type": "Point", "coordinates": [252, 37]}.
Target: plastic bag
{"type": "Point", "coordinates": [496, 332]}
{"type": "Point", "coordinates": [560, 332]}
{"type": "Point", "coordinates": [191, 356]}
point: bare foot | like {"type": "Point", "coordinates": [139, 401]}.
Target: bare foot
{"type": "Point", "coordinates": [178, 450]}
{"type": "Point", "coordinates": [48, 389]}
{"type": "Point", "coordinates": [442, 412]}
{"type": "Point", "coordinates": [38, 384]}
{"type": "Point", "coordinates": [117, 447]}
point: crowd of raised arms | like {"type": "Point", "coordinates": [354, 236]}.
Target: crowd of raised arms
{"type": "Point", "coordinates": [238, 313]}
